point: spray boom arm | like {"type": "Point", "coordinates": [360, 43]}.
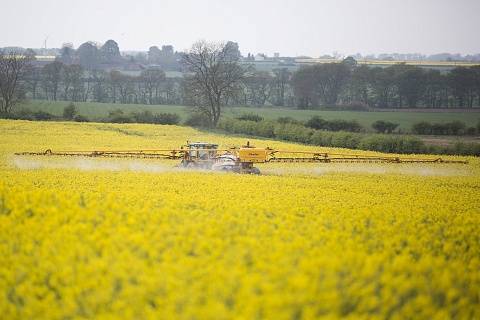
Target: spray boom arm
{"type": "Point", "coordinates": [206, 155]}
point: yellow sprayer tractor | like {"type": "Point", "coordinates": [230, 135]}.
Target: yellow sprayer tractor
{"type": "Point", "coordinates": [207, 156]}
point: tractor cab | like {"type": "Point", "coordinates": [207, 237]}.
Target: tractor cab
{"type": "Point", "coordinates": [199, 155]}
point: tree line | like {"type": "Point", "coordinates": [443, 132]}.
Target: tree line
{"type": "Point", "coordinates": [72, 82]}
{"type": "Point", "coordinates": [321, 86]}
{"type": "Point", "coordinates": [214, 76]}
{"type": "Point", "coordinates": [399, 86]}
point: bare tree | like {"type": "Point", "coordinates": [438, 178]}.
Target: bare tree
{"type": "Point", "coordinates": [150, 81]}
{"type": "Point", "coordinates": [282, 77]}
{"type": "Point", "coordinates": [34, 81]}
{"type": "Point", "coordinates": [73, 81]}
{"type": "Point", "coordinates": [210, 71]}
{"type": "Point", "coordinates": [52, 74]}
{"type": "Point", "coordinates": [15, 69]}
{"type": "Point", "coordinates": [99, 78]}
{"type": "Point", "coordinates": [258, 87]}
{"type": "Point", "coordinates": [126, 88]}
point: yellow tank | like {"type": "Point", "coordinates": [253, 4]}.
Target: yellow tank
{"type": "Point", "coordinates": [252, 154]}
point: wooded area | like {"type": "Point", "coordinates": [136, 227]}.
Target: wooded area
{"type": "Point", "coordinates": [100, 74]}
{"type": "Point", "coordinates": [321, 86]}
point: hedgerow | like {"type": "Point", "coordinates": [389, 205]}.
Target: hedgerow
{"type": "Point", "coordinates": [296, 132]}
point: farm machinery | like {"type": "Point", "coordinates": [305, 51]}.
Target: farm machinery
{"type": "Point", "coordinates": [207, 156]}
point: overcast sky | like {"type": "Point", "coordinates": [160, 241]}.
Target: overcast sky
{"type": "Point", "coordinates": [291, 28]}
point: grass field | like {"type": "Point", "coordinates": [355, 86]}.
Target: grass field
{"type": "Point", "coordinates": [121, 238]}
{"type": "Point", "coordinates": [405, 119]}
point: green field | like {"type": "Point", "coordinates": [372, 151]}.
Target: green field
{"type": "Point", "coordinates": [405, 119]}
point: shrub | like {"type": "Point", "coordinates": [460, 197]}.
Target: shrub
{"type": "Point", "coordinates": [390, 144]}
{"type": "Point", "coordinates": [344, 125]}
{"type": "Point", "coordinates": [198, 120]}
{"type": "Point", "coordinates": [288, 119]}
{"type": "Point", "coordinates": [69, 111]}
{"type": "Point", "coordinates": [227, 124]}
{"type": "Point", "coordinates": [381, 126]}
{"type": "Point", "coordinates": [117, 116]}
{"type": "Point", "coordinates": [455, 127]}
{"type": "Point", "coordinates": [421, 127]}
{"type": "Point", "coordinates": [345, 140]}
{"type": "Point", "coordinates": [81, 118]}
{"type": "Point", "coordinates": [146, 116]}
{"type": "Point", "coordinates": [470, 131]}
{"type": "Point", "coordinates": [250, 117]}
{"type": "Point", "coordinates": [465, 149]}
{"type": "Point", "coordinates": [380, 143]}
{"type": "Point", "coordinates": [317, 123]}
{"type": "Point", "coordinates": [449, 128]}
{"type": "Point", "coordinates": [266, 129]}
{"type": "Point", "coordinates": [22, 114]}
{"type": "Point", "coordinates": [167, 118]}
{"type": "Point", "coordinates": [43, 115]}
{"type": "Point", "coordinates": [412, 145]}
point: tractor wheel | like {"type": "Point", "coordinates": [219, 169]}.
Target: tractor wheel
{"type": "Point", "coordinates": [256, 171]}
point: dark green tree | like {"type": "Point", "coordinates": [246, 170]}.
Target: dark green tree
{"type": "Point", "coordinates": [110, 51]}
{"type": "Point", "coordinates": [411, 82]}
{"type": "Point", "coordinates": [461, 81]}
{"type": "Point", "coordinates": [88, 55]}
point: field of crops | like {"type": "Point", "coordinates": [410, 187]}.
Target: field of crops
{"type": "Point", "coordinates": [138, 239]}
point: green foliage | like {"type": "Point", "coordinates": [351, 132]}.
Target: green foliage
{"type": "Point", "coordinates": [118, 116]}
{"type": "Point", "coordinates": [301, 134]}
{"type": "Point", "coordinates": [81, 118]}
{"type": "Point", "coordinates": [69, 111]}
{"type": "Point", "coordinates": [167, 118]}
{"type": "Point", "coordinates": [318, 123]}
{"type": "Point", "coordinates": [27, 114]}
{"type": "Point", "coordinates": [421, 127]}
{"type": "Point", "coordinates": [344, 125]}
{"type": "Point", "coordinates": [288, 119]}
{"type": "Point", "coordinates": [198, 120]}
{"type": "Point", "coordinates": [43, 115]}
{"type": "Point", "coordinates": [412, 145]}
{"type": "Point", "coordinates": [454, 128]}
{"type": "Point", "coordinates": [22, 114]}
{"type": "Point", "coordinates": [465, 149]}
{"type": "Point", "coordinates": [382, 126]}
{"type": "Point", "coordinates": [250, 116]}
{"type": "Point", "coordinates": [147, 116]}
{"type": "Point", "coordinates": [393, 144]}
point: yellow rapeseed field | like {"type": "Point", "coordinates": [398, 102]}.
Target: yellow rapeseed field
{"type": "Point", "coordinates": [88, 238]}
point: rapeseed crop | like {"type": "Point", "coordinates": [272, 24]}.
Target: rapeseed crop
{"type": "Point", "coordinates": [129, 238]}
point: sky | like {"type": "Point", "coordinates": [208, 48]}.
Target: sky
{"type": "Point", "coordinates": [291, 28]}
